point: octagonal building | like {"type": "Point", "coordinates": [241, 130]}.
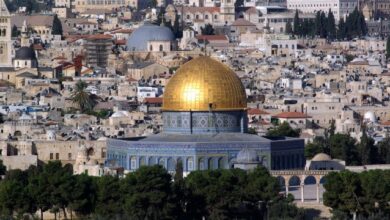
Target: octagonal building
{"type": "Point", "coordinates": [204, 126]}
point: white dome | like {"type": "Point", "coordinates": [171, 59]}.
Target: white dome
{"type": "Point", "coordinates": [369, 117]}
{"type": "Point", "coordinates": [321, 157]}
{"type": "Point", "coordinates": [119, 114]}
{"type": "Point", "coordinates": [50, 135]}
{"type": "Point", "coordinates": [247, 156]}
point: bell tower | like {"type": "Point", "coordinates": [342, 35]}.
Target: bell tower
{"type": "Point", "coordinates": [227, 10]}
{"type": "Point", "coordinates": [5, 36]}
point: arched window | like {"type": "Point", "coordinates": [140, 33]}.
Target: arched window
{"type": "Point", "coordinates": [142, 161]}
{"type": "Point", "coordinates": [151, 48]}
{"type": "Point", "coordinates": [133, 163]}
{"type": "Point", "coordinates": [190, 164]}
{"type": "Point", "coordinates": [161, 162]}
{"type": "Point", "coordinates": [201, 164]}
{"type": "Point", "coordinates": [171, 164]}
{"type": "Point", "coordinates": [161, 47]}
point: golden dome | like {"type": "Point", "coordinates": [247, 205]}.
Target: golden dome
{"type": "Point", "coordinates": [201, 83]}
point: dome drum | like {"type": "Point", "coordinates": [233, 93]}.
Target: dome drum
{"type": "Point", "coordinates": [205, 122]}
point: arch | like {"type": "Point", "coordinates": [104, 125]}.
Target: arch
{"type": "Point", "coordinates": [133, 163]}
{"type": "Point", "coordinates": [294, 181]}
{"type": "Point", "coordinates": [309, 180]}
{"type": "Point", "coordinates": [151, 161]}
{"type": "Point", "coordinates": [201, 164]}
{"type": "Point", "coordinates": [322, 180]}
{"type": "Point", "coordinates": [171, 165]}
{"type": "Point", "coordinates": [221, 163]}
{"type": "Point", "coordinates": [210, 163]}
{"type": "Point", "coordinates": [190, 164]}
{"type": "Point", "coordinates": [161, 162]}
{"type": "Point", "coordinates": [142, 161]}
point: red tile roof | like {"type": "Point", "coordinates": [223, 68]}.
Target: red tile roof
{"type": "Point", "coordinates": [292, 115]}
{"type": "Point", "coordinates": [157, 100]}
{"type": "Point", "coordinates": [194, 10]}
{"type": "Point", "coordinates": [256, 111]}
{"type": "Point", "coordinates": [211, 37]}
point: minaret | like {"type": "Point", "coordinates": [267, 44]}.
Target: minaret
{"type": "Point", "coordinates": [227, 11]}
{"type": "Point", "coordinates": [25, 41]}
{"type": "Point", "coordinates": [5, 36]}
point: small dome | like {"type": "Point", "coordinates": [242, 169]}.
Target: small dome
{"type": "Point", "coordinates": [119, 114]}
{"type": "Point", "coordinates": [138, 40]}
{"type": "Point", "coordinates": [369, 116]}
{"type": "Point", "coordinates": [321, 157]}
{"type": "Point", "coordinates": [247, 156]}
{"type": "Point", "coordinates": [25, 53]}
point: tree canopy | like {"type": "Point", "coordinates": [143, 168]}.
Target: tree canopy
{"type": "Point", "coordinates": [57, 26]}
{"type": "Point", "coordinates": [366, 194]}
{"type": "Point", "coordinates": [283, 129]}
{"type": "Point", "coordinates": [148, 193]}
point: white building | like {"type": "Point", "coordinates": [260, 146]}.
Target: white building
{"type": "Point", "coordinates": [340, 8]}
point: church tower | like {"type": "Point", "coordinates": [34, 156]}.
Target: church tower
{"type": "Point", "coordinates": [227, 11]}
{"type": "Point", "coordinates": [25, 41]}
{"type": "Point", "coordinates": [5, 36]}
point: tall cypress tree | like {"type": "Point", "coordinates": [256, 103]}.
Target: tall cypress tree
{"type": "Point", "coordinates": [297, 25]}
{"type": "Point", "coordinates": [57, 26]}
{"type": "Point", "coordinates": [331, 26]}
{"type": "Point", "coordinates": [341, 29]}
{"type": "Point", "coordinates": [323, 21]}
{"type": "Point", "coordinates": [318, 26]}
{"type": "Point", "coordinates": [388, 48]}
{"type": "Point", "coordinates": [288, 29]}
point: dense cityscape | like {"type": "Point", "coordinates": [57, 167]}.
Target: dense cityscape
{"type": "Point", "coordinates": [195, 109]}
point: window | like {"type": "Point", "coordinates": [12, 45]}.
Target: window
{"type": "Point", "coordinates": [133, 163]}
{"type": "Point", "coordinates": [161, 47]}
{"type": "Point", "coordinates": [69, 156]}
{"type": "Point", "coordinates": [51, 156]}
{"type": "Point", "coordinates": [57, 156]}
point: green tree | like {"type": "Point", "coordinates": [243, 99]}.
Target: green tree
{"type": "Point", "coordinates": [83, 197]}
{"type": "Point", "coordinates": [297, 24]}
{"type": "Point", "coordinates": [367, 149]}
{"type": "Point", "coordinates": [81, 97]}
{"type": "Point", "coordinates": [384, 150]}
{"type": "Point", "coordinates": [288, 29]}
{"type": "Point", "coordinates": [343, 146]}
{"type": "Point", "coordinates": [365, 194]}
{"type": "Point", "coordinates": [388, 47]}
{"type": "Point", "coordinates": [207, 30]}
{"type": "Point", "coordinates": [324, 24]}
{"type": "Point", "coordinates": [148, 198]}
{"type": "Point", "coordinates": [57, 26]}
{"type": "Point", "coordinates": [331, 26]}
{"type": "Point", "coordinates": [343, 192]}
{"type": "Point", "coordinates": [108, 198]}
{"type": "Point", "coordinates": [315, 147]}
{"type": "Point", "coordinates": [15, 31]}
{"type": "Point", "coordinates": [341, 30]}
{"type": "Point", "coordinates": [283, 129]}
{"type": "Point", "coordinates": [317, 23]}
{"type": "Point", "coordinates": [3, 168]}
